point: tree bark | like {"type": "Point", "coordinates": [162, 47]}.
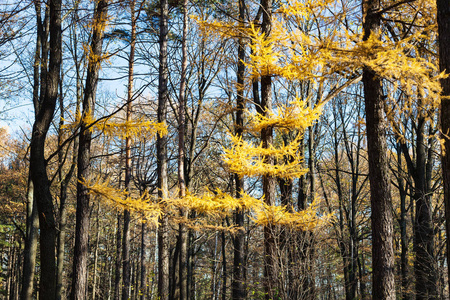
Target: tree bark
{"type": "Point", "coordinates": [380, 190]}
{"type": "Point", "coordinates": [97, 241]}
{"type": "Point", "coordinates": [118, 262]}
{"type": "Point", "coordinates": [161, 148]}
{"type": "Point", "coordinates": [80, 271]}
{"type": "Point", "coordinates": [423, 234]}
{"type": "Point", "coordinates": [238, 290]}
{"type": "Point", "coordinates": [64, 185]}
{"type": "Point", "coordinates": [183, 233]}
{"type": "Point", "coordinates": [143, 279]}
{"type": "Point", "coordinates": [38, 164]}
{"type": "Point", "coordinates": [126, 268]}
{"type": "Point", "coordinates": [443, 19]}
{"type": "Point", "coordinates": [30, 251]}
{"type": "Point", "coordinates": [269, 182]}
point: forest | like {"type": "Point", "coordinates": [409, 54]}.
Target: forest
{"type": "Point", "coordinates": [219, 149]}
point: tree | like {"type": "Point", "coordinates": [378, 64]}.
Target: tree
{"type": "Point", "coordinates": [126, 214]}
{"type": "Point", "coordinates": [32, 216]}
{"type": "Point", "coordinates": [38, 165]}
{"type": "Point", "coordinates": [443, 17]}
{"type": "Point", "coordinates": [80, 262]}
{"type": "Point", "coordinates": [163, 234]}
{"type": "Point", "coordinates": [238, 282]}
{"type": "Point", "coordinates": [183, 233]}
{"type": "Point", "coordinates": [380, 192]}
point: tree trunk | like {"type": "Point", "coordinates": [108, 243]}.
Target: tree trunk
{"type": "Point", "coordinates": [402, 223]}
{"type": "Point", "coordinates": [143, 279]}
{"type": "Point", "coordinates": [423, 234]}
{"type": "Point", "coordinates": [161, 148]}
{"type": "Point", "coordinates": [38, 165]}
{"type": "Point", "coordinates": [380, 190]}
{"type": "Point", "coordinates": [80, 271]}
{"type": "Point", "coordinates": [269, 182]}
{"type": "Point", "coordinates": [224, 267]}
{"type": "Point", "coordinates": [238, 283]}
{"type": "Point", "coordinates": [126, 268]}
{"type": "Point", "coordinates": [30, 251]}
{"type": "Point", "coordinates": [64, 184]}
{"type": "Point", "coordinates": [183, 233]}
{"type": "Point", "coordinates": [118, 262]}
{"type": "Point", "coordinates": [97, 240]}
{"type": "Point", "coordinates": [443, 19]}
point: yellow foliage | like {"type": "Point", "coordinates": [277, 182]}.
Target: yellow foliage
{"type": "Point", "coordinates": [246, 159]}
{"type": "Point", "coordinates": [216, 204]}
{"type": "Point", "coordinates": [302, 8]}
{"type": "Point", "coordinates": [136, 128]}
{"type": "Point", "coordinates": [119, 198]}
{"type": "Point", "coordinates": [295, 116]}
{"type": "Point", "coordinates": [307, 219]}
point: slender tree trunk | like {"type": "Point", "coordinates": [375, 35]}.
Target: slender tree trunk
{"type": "Point", "coordinates": [224, 267]}
{"type": "Point", "coordinates": [307, 235]}
{"type": "Point", "coordinates": [402, 223]}
{"type": "Point", "coordinates": [94, 283]}
{"type": "Point", "coordinates": [64, 184]}
{"type": "Point", "coordinates": [62, 234]}
{"type": "Point", "coordinates": [183, 233]}
{"type": "Point", "coordinates": [190, 266]}
{"type": "Point", "coordinates": [238, 290]}
{"type": "Point", "coordinates": [118, 262]}
{"type": "Point", "coordinates": [300, 246]}
{"type": "Point", "coordinates": [214, 269]}
{"type": "Point", "coordinates": [423, 233]}
{"type": "Point", "coordinates": [143, 279]}
{"type": "Point", "coordinates": [126, 214]}
{"type": "Point", "coordinates": [30, 250]}
{"type": "Point", "coordinates": [443, 19]}
{"type": "Point", "coordinates": [404, 245]}
{"type": "Point", "coordinates": [80, 271]}
{"type": "Point", "coordinates": [269, 182]}
{"type": "Point", "coordinates": [174, 280]}
{"type": "Point", "coordinates": [38, 171]}
{"type": "Point", "coordinates": [380, 191]}
{"type": "Point", "coordinates": [161, 148]}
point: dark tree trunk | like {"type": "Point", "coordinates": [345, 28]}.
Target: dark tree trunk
{"type": "Point", "coordinates": [224, 267]}
{"type": "Point", "coordinates": [380, 191]}
{"type": "Point", "coordinates": [126, 265]}
{"type": "Point", "coordinates": [118, 262]}
{"type": "Point", "coordinates": [423, 234]}
{"type": "Point", "coordinates": [80, 262]}
{"type": "Point", "coordinates": [238, 289]}
{"type": "Point", "coordinates": [443, 19]}
{"type": "Point", "coordinates": [143, 279]}
{"type": "Point", "coordinates": [403, 234]}
{"type": "Point", "coordinates": [269, 182]}
{"type": "Point", "coordinates": [30, 251]}
{"type": "Point", "coordinates": [38, 164]}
